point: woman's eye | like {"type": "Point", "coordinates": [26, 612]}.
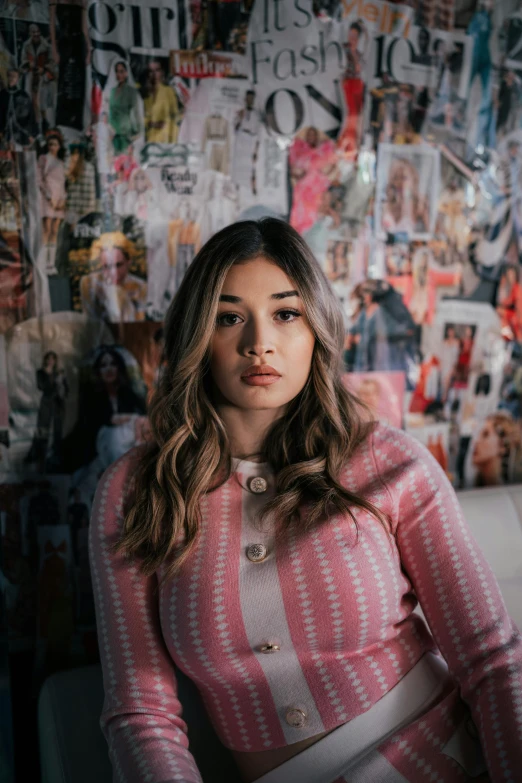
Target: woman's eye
{"type": "Point", "coordinates": [295, 313]}
{"type": "Point", "coordinates": [221, 318]}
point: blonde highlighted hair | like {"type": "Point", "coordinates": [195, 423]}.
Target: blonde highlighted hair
{"type": "Point", "coordinates": [307, 447]}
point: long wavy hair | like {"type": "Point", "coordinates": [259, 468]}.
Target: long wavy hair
{"type": "Point", "coordinates": [190, 452]}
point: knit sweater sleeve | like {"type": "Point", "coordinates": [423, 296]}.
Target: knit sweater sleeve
{"type": "Point", "coordinates": [141, 716]}
{"type": "Point", "coordinates": [459, 595]}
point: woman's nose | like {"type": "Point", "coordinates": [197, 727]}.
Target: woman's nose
{"type": "Point", "coordinates": [258, 337]}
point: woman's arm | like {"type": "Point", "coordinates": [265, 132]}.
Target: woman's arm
{"type": "Point", "coordinates": [141, 717]}
{"type": "Point", "coordinates": [459, 595]}
{"type": "Point", "coordinates": [41, 171]}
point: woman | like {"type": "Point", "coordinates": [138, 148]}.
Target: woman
{"type": "Point", "coordinates": [112, 293]}
{"type": "Point", "coordinates": [140, 199]}
{"type": "Point", "coordinates": [273, 547]}
{"type": "Point", "coordinates": [353, 87]}
{"type": "Point", "coordinates": [369, 332]}
{"type": "Point", "coordinates": [162, 113]}
{"type": "Point", "coordinates": [405, 209]}
{"type": "Point", "coordinates": [51, 177]}
{"type": "Point", "coordinates": [509, 303]}
{"type": "Point", "coordinates": [51, 381]}
{"type": "Point", "coordinates": [494, 449]}
{"type": "Point", "coordinates": [109, 411]}
{"type": "Point", "coordinates": [124, 115]}
{"type": "Point", "coordinates": [463, 366]}
{"type": "Point", "coordinates": [384, 331]}
{"type": "Point", "coordinates": [452, 221]}
{"type": "Point", "coordinates": [338, 263]}
{"type": "Point", "coordinates": [420, 296]}
{"type": "Point", "coordinates": [449, 357]}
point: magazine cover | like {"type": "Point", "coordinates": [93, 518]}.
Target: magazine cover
{"type": "Point", "coordinates": [407, 190]}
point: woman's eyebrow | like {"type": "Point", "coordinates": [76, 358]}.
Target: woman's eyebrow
{"type": "Point", "coordinates": [281, 295]}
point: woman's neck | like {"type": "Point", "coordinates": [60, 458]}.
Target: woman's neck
{"type": "Point", "coordinates": [247, 430]}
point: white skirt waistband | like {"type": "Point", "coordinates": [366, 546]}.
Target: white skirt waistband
{"type": "Point", "coordinates": [346, 745]}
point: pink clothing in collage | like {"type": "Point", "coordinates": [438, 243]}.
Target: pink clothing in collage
{"type": "Point", "coordinates": [312, 164]}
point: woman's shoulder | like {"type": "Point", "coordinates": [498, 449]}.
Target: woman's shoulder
{"type": "Point", "coordinates": [404, 463]}
{"type": "Point", "coordinates": [393, 446]}
{"type": "Point", "coordinates": [116, 481]}
{"type": "Point", "coordinates": [112, 492]}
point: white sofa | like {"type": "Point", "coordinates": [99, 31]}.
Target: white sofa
{"type": "Point", "coordinates": [495, 517]}
{"type": "Point", "coordinates": [73, 749]}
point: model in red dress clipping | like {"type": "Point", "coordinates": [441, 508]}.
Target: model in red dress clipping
{"type": "Point", "coordinates": [273, 545]}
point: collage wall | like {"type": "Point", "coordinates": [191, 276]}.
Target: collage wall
{"type": "Point", "coordinates": [389, 135]}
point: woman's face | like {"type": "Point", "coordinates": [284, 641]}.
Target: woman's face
{"type": "Point", "coordinates": [488, 445]}
{"type": "Point", "coordinates": [108, 369]}
{"type": "Point", "coordinates": [399, 177]}
{"type": "Point", "coordinates": [312, 137]}
{"type": "Point", "coordinates": [353, 39]}
{"type": "Point", "coordinates": [339, 252]}
{"type": "Point", "coordinates": [121, 73]}
{"type": "Point", "coordinates": [141, 181]}
{"type": "Point", "coordinates": [511, 276]}
{"type": "Point", "coordinates": [259, 329]}
{"type": "Point", "coordinates": [370, 393]}
{"type": "Point", "coordinates": [115, 265]}
{"type": "Point", "coordinates": [53, 145]}
{"type": "Point", "coordinates": [450, 335]}
{"type": "Point", "coordinates": [325, 202]}
{"type": "Point", "coordinates": [50, 361]}
{"type": "Point", "coordinates": [155, 72]}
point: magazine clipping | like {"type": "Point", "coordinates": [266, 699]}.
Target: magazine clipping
{"type": "Point", "coordinates": [407, 190]}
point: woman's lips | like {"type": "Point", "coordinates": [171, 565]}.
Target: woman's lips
{"type": "Point", "coordinates": [260, 380]}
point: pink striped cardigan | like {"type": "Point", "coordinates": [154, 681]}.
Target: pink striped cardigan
{"type": "Point", "coordinates": [339, 609]}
